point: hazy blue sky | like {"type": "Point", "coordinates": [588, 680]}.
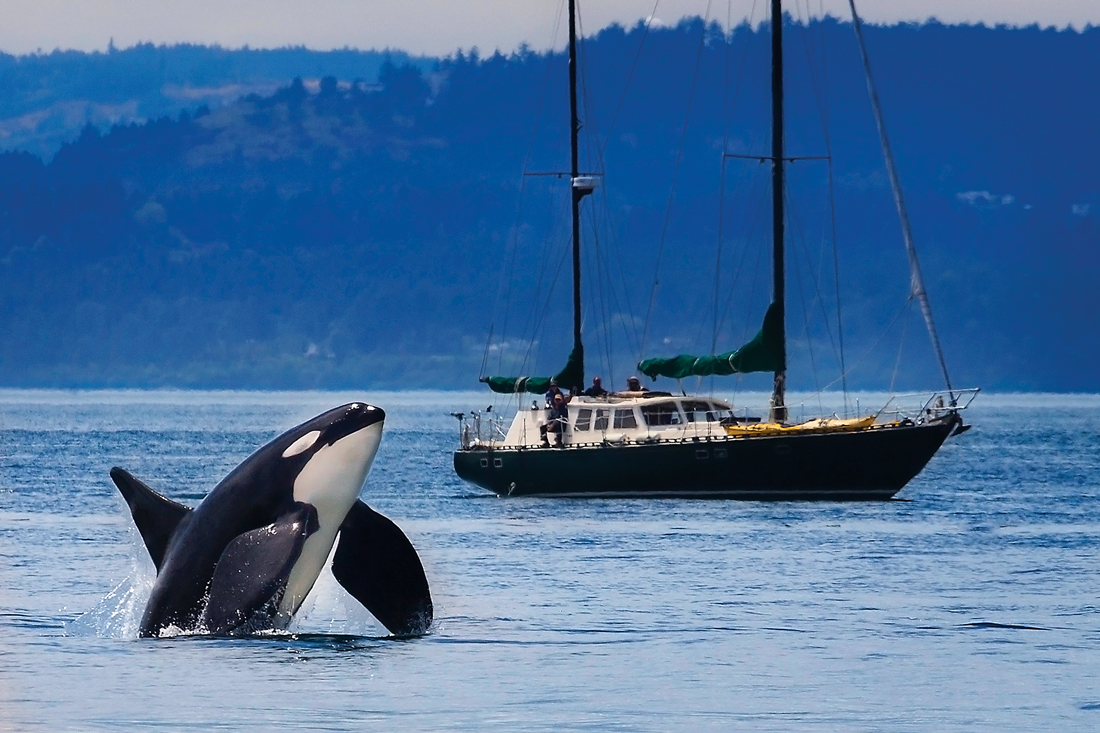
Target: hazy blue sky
{"type": "Point", "coordinates": [434, 26]}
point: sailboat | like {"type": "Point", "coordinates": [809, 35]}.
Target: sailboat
{"type": "Point", "coordinates": [640, 443]}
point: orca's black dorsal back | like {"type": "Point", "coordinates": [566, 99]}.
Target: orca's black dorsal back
{"type": "Point", "coordinates": [155, 516]}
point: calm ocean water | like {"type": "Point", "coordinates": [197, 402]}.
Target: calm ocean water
{"type": "Point", "coordinates": [970, 603]}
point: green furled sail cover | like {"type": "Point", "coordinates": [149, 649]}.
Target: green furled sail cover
{"type": "Point", "coordinates": [764, 353]}
{"type": "Point", "coordinates": [569, 378]}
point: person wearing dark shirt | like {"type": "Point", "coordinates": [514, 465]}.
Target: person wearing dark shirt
{"type": "Point", "coordinates": [556, 419]}
{"type": "Point", "coordinates": [596, 390]}
{"type": "Point", "coordinates": [554, 391]}
{"type": "Point", "coordinates": [633, 385]}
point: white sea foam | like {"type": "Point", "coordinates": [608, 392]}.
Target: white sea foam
{"type": "Point", "coordinates": [118, 615]}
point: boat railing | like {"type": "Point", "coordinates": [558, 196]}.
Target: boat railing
{"type": "Point", "coordinates": [470, 431]}
{"type": "Point", "coordinates": [921, 406]}
{"type": "Point", "coordinates": [917, 407]}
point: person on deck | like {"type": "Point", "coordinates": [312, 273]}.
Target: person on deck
{"type": "Point", "coordinates": [633, 385]}
{"type": "Point", "coordinates": [556, 420]}
{"type": "Point", "coordinates": [553, 392]}
{"type": "Point", "coordinates": [596, 390]}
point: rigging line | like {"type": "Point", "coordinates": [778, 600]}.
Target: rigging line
{"type": "Point", "coordinates": [747, 324]}
{"type": "Point", "coordinates": [602, 335]}
{"type": "Point", "coordinates": [832, 203]}
{"type": "Point", "coordinates": [751, 216]}
{"type": "Point", "coordinates": [718, 258]}
{"type": "Point", "coordinates": [629, 77]}
{"type": "Point", "coordinates": [916, 282]}
{"type": "Point", "coordinates": [610, 302]}
{"type": "Point", "coordinates": [615, 258]}
{"type": "Point", "coordinates": [697, 341]}
{"type": "Point", "coordinates": [594, 210]}
{"type": "Point", "coordinates": [750, 226]}
{"type": "Point", "coordinates": [820, 299]}
{"type": "Point", "coordinates": [757, 191]}
{"type": "Point", "coordinates": [820, 272]}
{"type": "Point", "coordinates": [819, 96]}
{"type": "Point", "coordinates": [675, 174]}
{"type": "Point", "coordinates": [727, 123]}
{"type": "Point", "coordinates": [485, 356]}
{"type": "Point", "coordinates": [806, 43]}
{"type": "Point", "coordinates": [593, 295]}
{"type": "Point", "coordinates": [627, 317]}
{"type": "Point", "coordinates": [591, 139]}
{"type": "Point", "coordinates": [761, 193]}
{"type": "Point", "coordinates": [589, 123]}
{"type": "Point", "coordinates": [722, 179]}
{"type": "Point", "coordinates": [836, 279]}
{"type": "Point", "coordinates": [543, 265]}
{"type": "Point", "coordinates": [545, 307]}
{"type": "Point", "coordinates": [901, 344]}
{"type": "Point", "coordinates": [806, 319]}
{"type": "Point", "coordinates": [626, 286]}
{"type": "Point", "coordinates": [608, 327]}
{"type": "Point", "coordinates": [756, 212]}
{"type": "Point", "coordinates": [510, 271]}
{"type": "Point", "coordinates": [874, 347]}
{"type": "Point", "coordinates": [798, 236]}
{"type": "Point", "coordinates": [533, 319]}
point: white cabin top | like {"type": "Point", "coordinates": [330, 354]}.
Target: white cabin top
{"type": "Point", "coordinates": [621, 418]}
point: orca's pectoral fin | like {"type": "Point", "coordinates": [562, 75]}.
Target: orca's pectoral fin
{"type": "Point", "coordinates": [155, 516]}
{"type": "Point", "coordinates": [376, 563]}
{"type": "Point", "coordinates": [253, 569]}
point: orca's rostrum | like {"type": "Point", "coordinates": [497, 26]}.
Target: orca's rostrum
{"type": "Point", "coordinates": [246, 557]}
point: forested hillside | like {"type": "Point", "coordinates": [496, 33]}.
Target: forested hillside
{"type": "Point", "coordinates": [370, 234]}
{"type": "Point", "coordinates": [48, 97]}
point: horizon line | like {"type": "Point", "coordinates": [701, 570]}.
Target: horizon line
{"type": "Point", "coordinates": [655, 24]}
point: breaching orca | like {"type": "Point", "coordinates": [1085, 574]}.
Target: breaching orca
{"type": "Point", "coordinates": [244, 559]}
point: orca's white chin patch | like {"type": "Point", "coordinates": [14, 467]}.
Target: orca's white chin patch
{"type": "Point", "coordinates": [336, 472]}
{"type": "Point", "coordinates": [331, 482]}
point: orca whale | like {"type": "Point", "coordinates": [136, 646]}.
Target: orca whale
{"type": "Point", "coordinates": [245, 558]}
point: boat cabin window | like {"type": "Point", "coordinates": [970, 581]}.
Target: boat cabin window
{"type": "Point", "coordinates": [584, 419]}
{"type": "Point", "coordinates": [662, 413]}
{"type": "Point", "coordinates": [699, 411]}
{"type": "Point", "coordinates": [723, 414]}
{"type": "Point", "coordinates": [624, 418]}
{"type": "Point", "coordinates": [601, 420]}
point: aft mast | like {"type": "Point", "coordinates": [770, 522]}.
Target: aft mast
{"type": "Point", "coordinates": [778, 405]}
{"type": "Point", "coordinates": [580, 187]}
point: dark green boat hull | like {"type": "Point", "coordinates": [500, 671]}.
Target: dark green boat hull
{"type": "Point", "coordinates": [866, 464]}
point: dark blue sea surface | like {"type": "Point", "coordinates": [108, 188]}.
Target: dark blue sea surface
{"type": "Point", "coordinates": [970, 602]}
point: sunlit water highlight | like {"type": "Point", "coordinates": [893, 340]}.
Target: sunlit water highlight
{"type": "Point", "coordinates": [971, 603]}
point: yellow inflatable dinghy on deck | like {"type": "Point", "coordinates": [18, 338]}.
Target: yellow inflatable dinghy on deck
{"type": "Point", "coordinates": [817, 425]}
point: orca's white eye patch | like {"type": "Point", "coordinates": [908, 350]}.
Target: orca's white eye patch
{"type": "Point", "coordinates": [302, 444]}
